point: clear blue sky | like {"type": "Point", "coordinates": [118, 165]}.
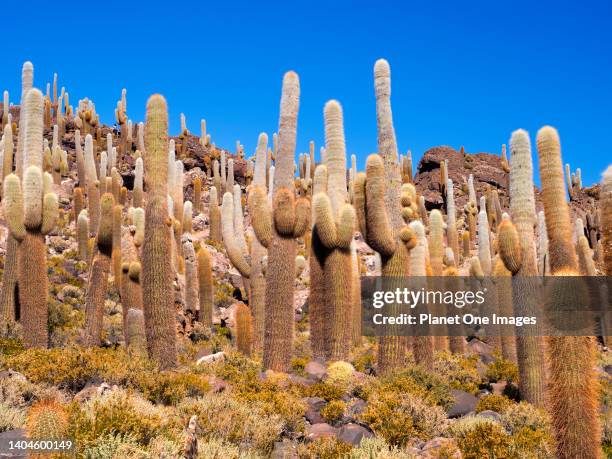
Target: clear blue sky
{"type": "Point", "coordinates": [463, 73]}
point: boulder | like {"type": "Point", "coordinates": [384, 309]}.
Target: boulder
{"type": "Point", "coordinates": [464, 403]}
{"type": "Point", "coordinates": [321, 429]}
{"type": "Point", "coordinates": [353, 434]}
{"type": "Point", "coordinates": [315, 370]}
{"type": "Point", "coordinates": [432, 448]}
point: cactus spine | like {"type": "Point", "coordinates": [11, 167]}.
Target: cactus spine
{"type": "Point", "coordinates": [157, 275]}
{"type": "Point", "coordinates": [98, 275]}
{"type": "Point", "coordinates": [289, 219]}
{"type": "Point", "coordinates": [572, 382]}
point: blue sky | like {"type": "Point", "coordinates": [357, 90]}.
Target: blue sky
{"type": "Point", "coordinates": [463, 73]}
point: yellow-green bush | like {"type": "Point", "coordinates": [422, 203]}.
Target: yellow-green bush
{"type": "Point", "coordinates": [402, 417]}
{"type": "Point", "coordinates": [323, 390]}
{"type": "Point", "coordinates": [324, 448]}
{"type": "Point", "coordinates": [502, 370]}
{"type": "Point", "coordinates": [460, 371]}
{"type": "Point", "coordinates": [115, 412]}
{"type": "Point", "coordinates": [377, 448]}
{"type": "Point", "coordinates": [10, 346]}
{"type": "Point", "coordinates": [493, 402]}
{"type": "Point", "coordinates": [340, 374]}
{"type": "Point", "coordinates": [479, 438]}
{"type": "Point", "coordinates": [333, 411]}
{"type": "Point", "coordinates": [234, 421]}
{"type": "Point", "coordinates": [11, 417]}
{"type": "Point", "coordinates": [530, 429]}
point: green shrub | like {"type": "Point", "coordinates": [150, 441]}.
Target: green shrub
{"type": "Point", "coordinates": [502, 370]}
{"type": "Point", "coordinates": [340, 374]}
{"type": "Point", "coordinates": [481, 438]}
{"type": "Point", "coordinates": [11, 417]}
{"type": "Point", "coordinates": [402, 417]}
{"type": "Point", "coordinates": [333, 411]}
{"type": "Point", "coordinates": [323, 390]}
{"type": "Point", "coordinates": [234, 421]}
{"type": "Point", "coordinates": [493, 402]}
{"type": "Point", "coordinates": [324, 448]}
{"type": "Point", "coordinates": [377, 448]}
{"type": "Point", "coordinates": [461, 372]}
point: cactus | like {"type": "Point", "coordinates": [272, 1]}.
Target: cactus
{"type": "Point", "coordinates": [229, 181]}
{"type": "Point", "coordinates": [606, 220]}
{"type": "Point", "coordinates": [135, 335]}
{"type": "Point", "coordinates": [205, 286]}
{"type": "Point", "coordinates": [277, 229]}
{"type": "Point", "coordinates": [138, 193]}
{"type": "Point", "coordinates": [214, 216]}
{"type": "Point", "coordinates": [465, 242]}
{"type": "Point", "coordinates": [7, 158]}
{"type": "Point", "coordinates": [47, 420]}
{"type": "Point", "coordinates": [244, 329]}
{"type": "Point", "coordinates": [98, 275]}
{"type": "Point", "coordinates": [192, 295]}
{"type": "Point", "coordinates": [543, 259]}
{"type": "Point", "coordinates": [334, 223]}
{"type": "Point", "coordinates": [585, 257]}
{"type": "Point", "coordinates": [572, 382]}
{"type": "Point", "coordinates": [436, 241]}
{"type": "Point", "coordinates": [232, 245]}
{"type": "Point", "coordinates": [517, 251]}
{"type": "Point", "coordinates": [197, 195]}
{"type": "Point", "coordinates": [258, 252]}
{"type": "Point", "coordinates": [83, 235]}
{"type": "Point", "coordinates": [93, 185]}
{"type": "Point", "coordinates": [484, 249]}
{"type": "Point", "coordinates": [187, 217]}
{"type": "Point", "coordinates": [116, 251]}
{"type": "Point", "coordinates": [31, 213]}
{"type": "Point", "coordinates": [158, 301]}
{"type": "Point", "coordinates": [451, 218]}
{"type": "Point", "coordinates": [443, 176]}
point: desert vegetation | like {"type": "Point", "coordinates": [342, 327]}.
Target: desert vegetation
{"type": "Point", "coordinates": [163, 297]}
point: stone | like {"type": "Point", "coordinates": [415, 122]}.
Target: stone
{"type": "Point", "coordinates": [353, 434]}
{"type": "Point", "coordinates": [321, 429]}
{"type": "Point", "coordinates": [315, 370]}
{"type": "Point", "coordinates": [284, 450]}
{"type": "Point", "coordinates": [489, 414]}
{"type": "Point", "coordinates": [464, 403]}
{"type": "Point", "coordinates": [433, 447]}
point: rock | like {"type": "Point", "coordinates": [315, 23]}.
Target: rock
{"type": "Point", "coordinates": [464, 403]}
{"type": "Point", "coordinates": [14, 435]}
{"type": "Point", "coordinates": [353, 434]}
{"type": "Point", "coordinates": [355, 407]}
{"type": "Point", "coordinates": [315, 370]}
{"type": "Point", "coordinates": [499, 387]}
{"type": "Point", "coordinates": [297, 379]}
{"type": "Point", "coordinates": [91, 390]}
{"type": "Point", "coordinates": [432, 448]}
{"type": "Point", "coordinates": [284, 450]}
{"type": "Point", "coordinates": [489, 414]}
{"type": "Point", "coordinates": [313, 410]}
{"type": "Point", "coordinates": [321, 429]}
{"type": "Point", "coordinates": [219, 356]}
{"type": "Point", "coordinates": [13, 375]}
{"type": "Point", "coordinates": [608, 369]}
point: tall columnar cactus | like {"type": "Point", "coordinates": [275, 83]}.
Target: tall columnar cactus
{"type": "Point", "coordinates": [394, 248]}
{"type": "Point", "coordinates": [382, 226]}
{"type": "Point", "coordinates": [192, 292]}
{"type": "Point", "coordinates": [31, 212]}
{"type": "Point", "coordinates": [436, 241]}
{"type": "Point", "coordinates": [10, 278]}
{"type": "Point", "coordinates": [7, 157]}
{"type": "Point", "coordinates": [214, 216]}
{"type": "Point", "coordinates": [543, 259]}
{"type": "Point", "coordinates": [93, 185]}
{"type": "Point", "coordinates": [606, 220]}
{"type": "Point", "coordinates": [258, 252]}
{"type": "Point", "coordinates": [205, 286]}
{"type": "Point", "coordinates": [157, 276]}
{"type": "Point", "coordinates": [516, 246]}
{"type": "Point", "coordinates": [232, 245]}
{"type": "Point", "coordinates": [138, 193]}
{"type": "Point", "coordinates": [80, 159]}
{"type": "Point", "coordinates": [276, 229]}
{"type": "Point", "coordinates": [135, 335]}
{"type": "Point", "coordinates": [484, 249]}
{"type": "Point", "coordinates": [116, 249]}
{"type": "Point", "coordinates": [197, 195]}
{"type": "Point", "coordinates": [244, 329]}
{"type": "Point", "coordinates": [334, 223]}
{"type": "Point", "coordinates": [83, 235]}
{"type": "Point", "coordinates": [98, 274]}
{"type": "Point", "coordinates": [187, 217]}
{"type": "Point", "coordinates": [572, 394]}
{"type": "Point", "coordinates": [451, 217]}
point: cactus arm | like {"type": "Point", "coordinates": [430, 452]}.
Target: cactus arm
{"type": "Point", "coordinates": [302, 217]}
{"type": "Point", "coordinates": [283, 211]}
{"type": "Point", "coordinates": [324, 220]}
{"type": "Point", "coordinates": [50, 213]}
{"type": "Point", "coordinates": [229, 237]}
{"type": "Point", "coordinates": [509, 246]}
{"type": "Point", "coordinates": [345, 227]}
{"type": "Point", "coordinates": [12, 204]}
{"type": "Point", "coordinates": [262, 218]}
{"type": "Point", "coordinates": [379, 230]}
